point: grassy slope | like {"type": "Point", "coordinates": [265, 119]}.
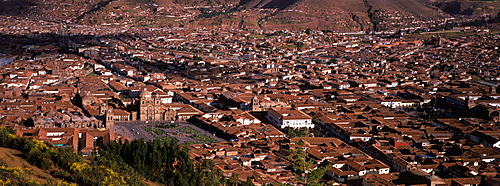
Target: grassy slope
{"type": "Point", "coordinates": [12, 159]}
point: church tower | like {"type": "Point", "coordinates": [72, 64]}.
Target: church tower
{"type": "Point", "coordinates": [255, 104]}
{"type": "Point", "coordinates": [493, 89]}
{"type": "Point", "coordinates": [469, 103]}
{"type": "Point", "coordinates": [103, 108]}
{"type": "Point", "coordinates": [145, 105]}
{"type": "Point", "coordinates": [157, 107]}
{"type": "Point", "coordinates": [149, 107]}
{"type": "Point", "coordinates": [55, 67]}
{"type": "Point", "coordinates": [109, 119]}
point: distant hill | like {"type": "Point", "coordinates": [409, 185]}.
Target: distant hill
{"type": "Point", "coordinates": [341, 15]}
{"type": "Point", "coordinates": [338, 15]}
{"type": "Point", "coordinates": [279, 4]}
{"type": "Point", "coordinates": [346, 15]}
{"type": "Point", "coordinates": [466, 7]}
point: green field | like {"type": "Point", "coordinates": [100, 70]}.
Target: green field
{"type": "Point", "coordinates": [204, 138]}
{"type": "Point", "coordinates": [148, 129]}
{"type": "Point", "coordinates": [188, 130]}
{"type": "Point", "coordinates": [156, 131]}
{"type": "Point", "coordinates": [167, 126]}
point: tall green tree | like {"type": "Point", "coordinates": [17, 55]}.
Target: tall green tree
{"type": "Point", "coordinates": [304, 168]}
{"type": "Point", "coordinates": [164, 162]}
{"type": "Point", "coordinates": [233, 180]}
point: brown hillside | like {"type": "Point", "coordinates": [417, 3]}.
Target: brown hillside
{"type": "Point", "coordinates": [12, 159]}
{"type": "Point", "coordinates": [409, 6]}
{"type": "Point", "coordinates": [278, 4]}
{"type": "Point", "coordinates": [466, 7]}
{"type": "Point", "coordinates": [348, 15]}
{"type": "Point", "coordinates": [338, 15]}
{"type": "Point", "coordinates": [204, 2]}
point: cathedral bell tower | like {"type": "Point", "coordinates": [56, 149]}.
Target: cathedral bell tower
{"type": "Point", "coordinates": [255, 104]}
{"type": "Point", "coordinates": [144, 103]}
{"type": "Point", "coordinates": [109, 119]}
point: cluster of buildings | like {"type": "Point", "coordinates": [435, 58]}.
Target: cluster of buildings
{"type": "Point", "coordinates": [81, 140]}
{"type": "Point", "coordinates": [394, 110]}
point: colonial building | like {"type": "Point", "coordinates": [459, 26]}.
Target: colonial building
{"type": "Point", "coordinates": [149, 107]}
{"type": "Point", "coordinates": [289, 118]}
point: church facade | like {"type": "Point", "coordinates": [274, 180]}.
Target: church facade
{"type": "Point", "coordinates": [150, 107]}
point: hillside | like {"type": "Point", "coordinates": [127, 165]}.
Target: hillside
{"type": "Point", "coordinates": [136, 162]}
{"type": "Point", "coordinates": [411, 7]}
{"type": "Point", "coordinates": [11, 159]}
{"type": "Point", "coordinates": [278, 4]}
{"type": "Point", "coordinates": [25, 161]}
{"type": "Point", "coordinates": [338, 15]}
{"type": "Point", "coordinates": [466, 7]}
{"type": "Point", "coordinates": [344, 15]}
{"type": "Point", "coordinates": [323, 14]}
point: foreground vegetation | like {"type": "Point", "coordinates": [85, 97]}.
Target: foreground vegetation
{"type": "Point", "coordinates": [63, 164]}
{"type": "Point", "coordinates": [128, 163]}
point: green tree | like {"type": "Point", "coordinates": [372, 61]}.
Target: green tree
{"type": "Point", "coordinates": [233, 180]}
{"type": "Point", "coordinates": [315, 175]}
{"type": "Point", "coordinates": [165, 162]}
{"type": "Point", "coordinates": [293, 132]}
{"type": "Point", "coordinates": [248, 182]}
{"type": "Point", "coordinates": [308, 31]}
{"type": "Point", "coordinates": [40, 159]}
{"type": "Point", "coordinates": [28, 122]}
{"type": "Point", "coordinates": [198, 58]}
{"type": "Point", "coordinates": [304, 168]}
{"type": "Point", "coordinates": [300, 45]}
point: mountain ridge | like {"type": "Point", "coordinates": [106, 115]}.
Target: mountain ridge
{"type": "Point", "coordinates": [339, 15]}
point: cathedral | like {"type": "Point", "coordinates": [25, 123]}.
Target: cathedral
{"type": "Point", "coordinates": [150, 107]}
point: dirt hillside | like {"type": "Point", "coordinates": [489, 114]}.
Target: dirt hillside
{"type": "Point", "coordinates": [12, 159]}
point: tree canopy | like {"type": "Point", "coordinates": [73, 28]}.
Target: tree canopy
{"type": "Point", "coordinates": [118, 163]}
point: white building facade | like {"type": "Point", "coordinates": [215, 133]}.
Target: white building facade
{"type": "Point", "coordinates": [289, 118]}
